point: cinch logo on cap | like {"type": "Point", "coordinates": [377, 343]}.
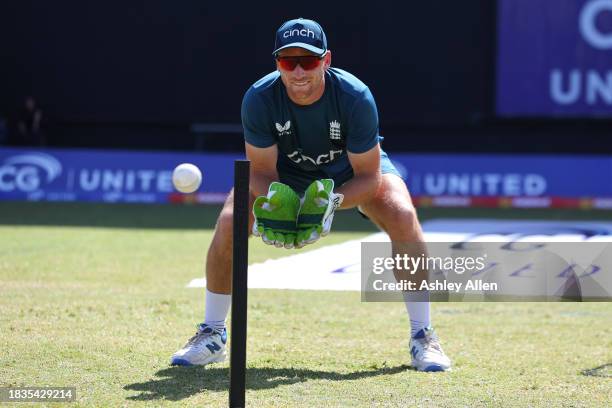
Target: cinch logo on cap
{"type": "Point", "coordinates": [303, 33]}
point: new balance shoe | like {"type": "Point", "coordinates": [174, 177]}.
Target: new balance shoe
{"type": "Point", "coordinates": [205, 347]}
{"type": "Point", "coordinates": [427, 354]}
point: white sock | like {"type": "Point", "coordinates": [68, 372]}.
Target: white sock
{"type": "Point", "coordinates": [418, 311]}
{"type": "Point", "coordinates": [217, 308]}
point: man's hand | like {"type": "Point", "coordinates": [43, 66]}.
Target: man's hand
{"type": "Point", "coordinates": [275, 216]}
{"type": "Point", "coordinates": [317, 211]}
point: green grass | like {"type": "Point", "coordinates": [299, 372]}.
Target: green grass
{"type": "Point", "coordinates": [94, 297]}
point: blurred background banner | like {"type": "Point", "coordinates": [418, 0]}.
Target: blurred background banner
{"type": "Point", "coordinates": [506, 175]}
{"type": "Point", "coordinates": [434, 179]}
{"type": "Point", "coordinates": [502, 76]}
{"type": "Point", "coordinates": [554, 58]}
{"type": "Point", "coordinates": [107, 176]}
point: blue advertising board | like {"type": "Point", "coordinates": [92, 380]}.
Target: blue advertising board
{"type": "Point", "coordinates": [122, 176]}
{"type": "Point", "coordinates": [554, 58]}
{"type": "Point", "coordinates": [506, 175]}
{"type": "Point", "coordinates": [105, 176]}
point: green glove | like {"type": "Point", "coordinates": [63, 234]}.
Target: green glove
{"type": "Point", "coordinates": [317, 211]}
{"type": "Point", "coordinates": [275, 216]}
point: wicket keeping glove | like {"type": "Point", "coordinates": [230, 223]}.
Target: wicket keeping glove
{"type": "Point", "coordinates": [317, 211]}
{"type": "Point", "coordinates": [275, 216]}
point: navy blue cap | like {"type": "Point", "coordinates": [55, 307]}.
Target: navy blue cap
{"type": "Point", "coordinates": [302, 33]}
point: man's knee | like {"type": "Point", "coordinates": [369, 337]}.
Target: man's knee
{"type": "Point", "coordinates": [225, 223]}
{"type": "Point", "coordinates": [404, 215]}
{"type": "Point", "coordinates": [399, 220]}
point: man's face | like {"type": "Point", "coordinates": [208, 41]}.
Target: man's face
{"type": "Point", "coordinates": [304, 86]}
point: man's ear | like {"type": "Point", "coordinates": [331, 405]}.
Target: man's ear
{"type": "Point", "coordinates": [327, 59]}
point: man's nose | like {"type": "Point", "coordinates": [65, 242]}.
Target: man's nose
{"type": "Point", "coordinates": [299, 71]}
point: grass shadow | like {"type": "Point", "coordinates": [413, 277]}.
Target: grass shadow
{"type": "Point", "coordinates": [177, 383]}
{"type": "Point", "coordinates": [604, 371]}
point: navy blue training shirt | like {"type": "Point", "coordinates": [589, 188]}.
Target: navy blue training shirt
{"type": "Point", "coordinates": [312, 139]}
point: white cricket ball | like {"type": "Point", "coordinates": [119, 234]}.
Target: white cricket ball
{"type": "Point", "coordinates": [186, 178]}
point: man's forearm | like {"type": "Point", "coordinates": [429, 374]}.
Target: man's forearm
{"type": "Point", "coordinates": [260, 183]}
{"type": "Point", "coordinates": [359, 189]}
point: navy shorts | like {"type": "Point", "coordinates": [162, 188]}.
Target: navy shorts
{"type": "Point", "coordinates": [386, 167]}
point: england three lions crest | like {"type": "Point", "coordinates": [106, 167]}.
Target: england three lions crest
{"type": "Point", "coordinates": [334, 130]}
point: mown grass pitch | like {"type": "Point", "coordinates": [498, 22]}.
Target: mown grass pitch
{"type": "Point", "coordinates": [94, 297]}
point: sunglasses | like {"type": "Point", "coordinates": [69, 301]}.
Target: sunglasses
{"type": "Point", "coordinates": [307, 62]}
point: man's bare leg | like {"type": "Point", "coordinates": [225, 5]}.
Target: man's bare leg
{"type": "Point", "coordinates": [392, 210]}
{"type": "Point", "coordinates": [208, 344]}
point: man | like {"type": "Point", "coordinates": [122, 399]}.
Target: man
{"type": "Point", "coordinates": [308, 128]}
{"type": "Point", "coordinates": [29, 124]}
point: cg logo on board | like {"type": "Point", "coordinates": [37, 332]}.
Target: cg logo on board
{"type": "Point", "coordinates": [588, 24]}
{"type": "Point", "coordinates": [26, 172]}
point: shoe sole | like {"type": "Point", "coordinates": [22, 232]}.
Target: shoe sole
{"type": "Point", "coordinates": [183, 362]}
{"type": "Point", "coordinates": [432, 368]}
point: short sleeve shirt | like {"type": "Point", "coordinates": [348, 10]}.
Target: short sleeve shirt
{"type": "Point", "coordinates": [313, 139]}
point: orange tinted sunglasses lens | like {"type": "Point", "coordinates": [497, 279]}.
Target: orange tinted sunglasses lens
{"type": "Point", "coordinates": [307, 62]}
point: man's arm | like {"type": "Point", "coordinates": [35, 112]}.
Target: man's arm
{"type": "Point", "coordinates": [263, 167]}
{"type": "Point", "coordinates": [367, 178]}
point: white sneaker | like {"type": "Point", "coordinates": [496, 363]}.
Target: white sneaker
{"type": "Point", "coordinates": [427, 354]}
{"type": "Point", "coordinates": [205, 347]}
